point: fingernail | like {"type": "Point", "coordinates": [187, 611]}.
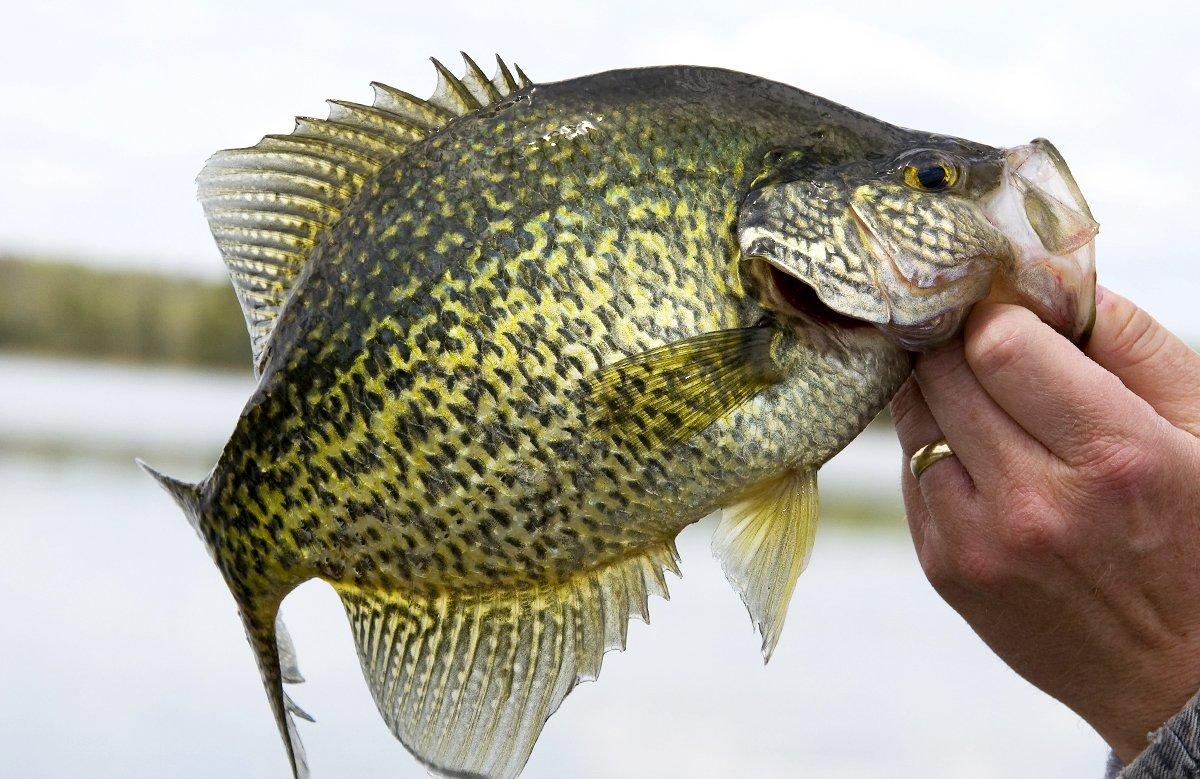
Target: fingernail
{"type": "Point", "coordinates": [1100, 290]}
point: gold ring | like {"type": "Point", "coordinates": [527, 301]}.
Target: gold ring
{"type": "Point", "coordinates": [929, 454]}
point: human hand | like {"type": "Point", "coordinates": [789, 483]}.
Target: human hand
{"type": "Point", "coordinates": [1066, 531]}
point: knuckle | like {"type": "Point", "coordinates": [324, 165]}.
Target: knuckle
{"type": "Point", "coordinates": [1035, 532]}
{"type": "Point", "coordinates": [939, 574]}
{"type": "Point", "coordinates": [1137, 336]}
{"type": "Point", "coordinates": [967, 569]}
{"type": "Point", "coordinates": [997, 347]}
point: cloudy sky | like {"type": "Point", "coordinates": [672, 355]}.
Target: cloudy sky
{"type": "Point", "coordinates": [110, 109]}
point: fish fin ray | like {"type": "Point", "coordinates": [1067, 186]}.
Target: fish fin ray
{"type": "Point", "coordinates": [764, 542]}
{"type": "Point", "coordinates": [451, 93]}
{"type": "Point", "coordinates": [262, 630]}
{"type": "Point", "coordinates": [186, 494]}
{"type": "Point", "coordinates": [466, 681]}
{"type": "Point", "coordinates": [288, 667]}
{"type": "Point", "coordinates": [267, 205]}
{"type": "Point", "coordinates": [670, 393]}
{"type": "Point", "coordinates": [478, 82]}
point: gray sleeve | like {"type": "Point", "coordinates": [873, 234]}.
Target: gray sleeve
{"type": "Point", "coordinates": [1174, 749]}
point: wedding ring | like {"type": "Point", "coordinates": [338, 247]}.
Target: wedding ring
{"type": "Point", "coordinates": [929, 454]}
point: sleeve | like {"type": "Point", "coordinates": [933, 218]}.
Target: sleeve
{"type": "Point", "coordinates": [1174, 749]}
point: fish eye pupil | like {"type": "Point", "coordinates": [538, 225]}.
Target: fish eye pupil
{"type": "Point", "coordinates": [931, 176]}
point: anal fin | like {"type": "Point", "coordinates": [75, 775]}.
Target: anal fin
{"type": "Point", "coordinates": [763, 543]}
{"type": "Point", "coordinates": [467, 680]}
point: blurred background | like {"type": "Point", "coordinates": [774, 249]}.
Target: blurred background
{"type": "Point", "coordinates": [120, 651]}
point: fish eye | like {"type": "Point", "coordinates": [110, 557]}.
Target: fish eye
{"type": "Point", "coordinates": [931, 175]}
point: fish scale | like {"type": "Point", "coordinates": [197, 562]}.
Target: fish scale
{"type": "Point", "coordinates": [512, 339]}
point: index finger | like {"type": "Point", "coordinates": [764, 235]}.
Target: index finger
{"type": "Point", "coordinates": [1073, 406]}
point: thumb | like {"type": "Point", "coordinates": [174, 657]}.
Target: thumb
{"type": "Point", "coordinates": [1148, 359]}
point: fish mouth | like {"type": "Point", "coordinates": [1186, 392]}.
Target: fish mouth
{"type": "Point", "coordinates": [1051, 231]}
{"type": "Point", "coordinates": [798, 301]}
{"type": "Point", "coordinates": [1040, 254]}
{"type": "Point", "coordinates": [1049, 266]}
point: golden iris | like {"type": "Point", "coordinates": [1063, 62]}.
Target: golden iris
{"type": "Point", "coordinates": [930, 175]}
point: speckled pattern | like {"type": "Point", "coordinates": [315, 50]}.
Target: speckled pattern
{"type": "Point", "coordinates": [483, 414]}
{"type": "Point", "coordinates": [418, 425]}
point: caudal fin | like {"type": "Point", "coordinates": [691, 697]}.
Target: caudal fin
{"type": "Point", "coordinates": [186, 494]}
{"type": "Point", "coordinates": [273, 650]}
{"type": "Point", "coordinates": [277, 663]}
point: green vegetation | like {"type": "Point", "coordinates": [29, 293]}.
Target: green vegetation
{"type": "Point", "coordinates": [66, 309]}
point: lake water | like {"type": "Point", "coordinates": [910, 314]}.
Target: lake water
{"type": "Point", "coordinates": [122, 656]}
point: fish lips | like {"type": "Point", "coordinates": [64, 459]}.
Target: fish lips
{"type": "Point", "coordinates": [1051, 231]}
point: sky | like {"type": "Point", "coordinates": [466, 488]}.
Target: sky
{"type": "Point", "coordinates": [110, 109]}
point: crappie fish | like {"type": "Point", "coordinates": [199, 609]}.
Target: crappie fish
{"type": "Point", "coordinates": [512, 339]}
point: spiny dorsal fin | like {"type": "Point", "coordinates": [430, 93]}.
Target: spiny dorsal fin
{"type": "Point", "coordinates": [466, 680]}
{"type": "Point", "coordinates": [268, 204]}
{"type": "Point", "coordinates": [763, 543]}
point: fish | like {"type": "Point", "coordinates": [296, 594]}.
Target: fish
{"type": "Point", "coordinates": [510, 340]}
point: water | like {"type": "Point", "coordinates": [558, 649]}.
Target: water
{"type": "Point", "coordinates": [122, 654]}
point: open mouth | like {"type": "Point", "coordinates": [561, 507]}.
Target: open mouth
{"type": "Point", "coordinates": [793, 299]}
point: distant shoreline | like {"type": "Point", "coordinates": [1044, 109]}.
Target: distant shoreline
{"type": "Point", "coordinates": [67, 309]}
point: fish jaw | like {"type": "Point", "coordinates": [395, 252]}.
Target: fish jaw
{"type": "Point", "coordinates": [1050, 229]}
{"type": "Point", "coordinates": [913, 262]}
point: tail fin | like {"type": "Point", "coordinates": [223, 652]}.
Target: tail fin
{"type": "Point", "coordinates": [266, 633]}
{"type": "Point", "coordinates": [185, 494]}
{"type": "Point", "coordinates": [271, 644]}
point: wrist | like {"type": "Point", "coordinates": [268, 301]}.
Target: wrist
{"type": "Point", "coordinates": [1171, 750]}
{"type": "Point", "coordinates": [1132, 722]}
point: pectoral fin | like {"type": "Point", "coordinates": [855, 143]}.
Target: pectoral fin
{"type": "Point", "coordinates": [763, 544]}
{"type": "Point", "coordinates": [668, 394]}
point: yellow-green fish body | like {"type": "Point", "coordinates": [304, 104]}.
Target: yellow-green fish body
{"type": "Point", "coordinates": [512, 340]}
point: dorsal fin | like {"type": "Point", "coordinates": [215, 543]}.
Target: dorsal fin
{"type": "Point", "coordinates": [268, 204]}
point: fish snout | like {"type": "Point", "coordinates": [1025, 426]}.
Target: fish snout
{"type": "Point", "coordinates": [1049, 226]}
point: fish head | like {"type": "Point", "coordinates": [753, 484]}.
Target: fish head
{"type": "Point", "coordinates": [910, 240]}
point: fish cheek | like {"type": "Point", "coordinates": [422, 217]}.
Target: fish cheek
{"type": "Point", "coordinates": [932, 239]}
{"type": "Point", "coordinates": [807, 255]}
{"type": "Point", "coordinates": [937, 255]}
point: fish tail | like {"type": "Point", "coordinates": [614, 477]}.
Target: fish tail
{"type": "Point", "coordinates": [186, 494]}
{"type": "Point", "coordinates": [272, 651]}
{"type": "Point", "coordinates": [258, 602]}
